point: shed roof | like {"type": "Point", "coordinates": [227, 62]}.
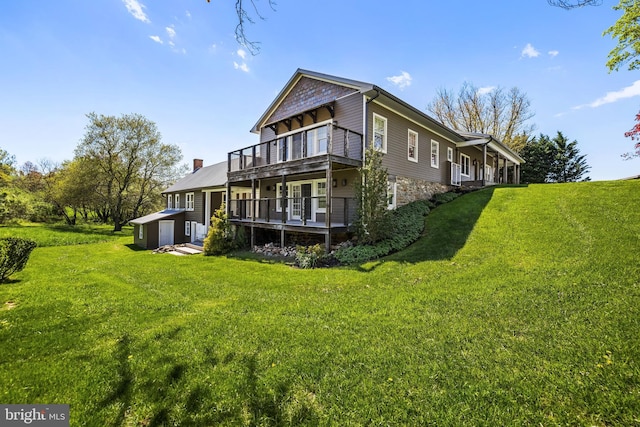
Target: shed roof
{"type": "Point", "coordinates": [167, 213]}
{"type": "Point", "coordinates": [206, 177]}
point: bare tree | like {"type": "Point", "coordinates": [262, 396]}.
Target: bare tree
{"type": "Point", "coordinates": [498, 112]}
{"type": "Point", "coordinates": [245, 17]}
{"type": "Point", "coordinates": [572, 4]}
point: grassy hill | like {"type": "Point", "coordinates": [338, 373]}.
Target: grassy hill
{"type": "Point", "coordinates": [519, 306]}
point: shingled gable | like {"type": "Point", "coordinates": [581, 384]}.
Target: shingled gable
{"type": "Point", "coordinates": [313, 90]}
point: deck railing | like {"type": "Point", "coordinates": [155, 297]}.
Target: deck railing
{"type": "Point", "coordinates": [317, 141]}
{"type": "Point", "coordinates": [295, 210]}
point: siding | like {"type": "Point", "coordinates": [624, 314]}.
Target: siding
{"type": "Point", "coordinates": [396, 159]}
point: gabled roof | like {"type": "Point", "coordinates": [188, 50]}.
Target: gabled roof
{"type": "Point", "coordinates": [167, 213]}
{"type": "Point", "coordinates": [206, 177]}
{"type": "Point", "coordinates": [476, 138]}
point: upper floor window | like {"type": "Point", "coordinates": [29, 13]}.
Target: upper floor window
{"type": "Point", "coordinates": [379, 133]}
{"type": "Point", "coordinates": [449, 154]}
{"type": "Point", "coordinates": [435, 154]}
{"type": "Point", "coordinates": [317, 141]}
{"type": "Point", "coordinates": [177, 201]}
{"type": "Point", "coordinates": [282, 149]}
{"type": "Point", "coordinates": [190, 202]}
{"type": "Point", "coordinates": [465, 163]}
{"type": "Point", "coordinates": [412, 146]}
{"type": "Point", "coordinates": [170, 201]}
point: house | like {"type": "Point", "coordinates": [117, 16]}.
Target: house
{"type": "Point", "coordinates": [299, 179]}
{"type": "Point", "coordinates": [190, 202]}
{"type": "Point", "coordinates": [297, 183]}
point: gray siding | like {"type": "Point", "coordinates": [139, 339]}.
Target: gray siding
{"type": "Point", "coordinates": [396, 158]}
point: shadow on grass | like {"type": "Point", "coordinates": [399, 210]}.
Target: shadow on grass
{"type": "Point", "coordinates": [447, 229]}
{"type": "Point", "coordinates": [135, 247]}
{"type": "Point", "coordinates": [122, 389]}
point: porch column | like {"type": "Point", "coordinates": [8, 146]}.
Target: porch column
{"type": "Point", "coordinates": [207, 209]}
{"type": "Point", "coordinates": [518, 174]}
{"type": "Point", "coordinates": [505, 176]}
{"type": "Point", "coordinates": [253, 209]}
{"type": "Point", "coordinates": [227, 204]}
{"type": "Point", "coordinates": [484, 163]}
{"type": "Point", "coordinates": [283, 203]}
{"type": "Point", "coordinates": [327, 215]}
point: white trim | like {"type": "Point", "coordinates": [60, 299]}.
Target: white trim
{"type": "Point", "coordinates": [462, 164]}
{"type": "Point", "coordinates": [187, 228]}
{"type": "Point", "coordinates": [435, 164]}
{"type": "Point", "coordinates": [411, 132]}
{"type": "Point", "coordinates": [314, 197]}
{"type": "Point", "coordinates": [450, 154]}
{"type": "Point", "coordinates": [190, 201]}
{"type": "Point", "coordinates": [170, 201]}
{"type": "Point", "coordinates": [385, 132]}
{"type": "Point", "coordinates": [392, 188]}
{"type": "Point", "coordinates": [141, 231]}
{"type": "Point", "coordinates": [176, 198]}
{"type": "Point", "coordinates": [305, 128]}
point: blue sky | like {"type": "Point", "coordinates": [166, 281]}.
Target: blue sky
{"type": "Point", "coordinates": [177, 63]}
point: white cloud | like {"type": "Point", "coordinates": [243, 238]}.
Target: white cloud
{"type": "Point", "coordinates": [242, 66]}
{"type": "Point", "coordinates": [485, 90]}
{"type": "Point", "coordinates": [241, 53]}
{"type": "Point", "coordinates": [156, 39]}
{"type": "Point", "coordinates": [402, 81]}
{"type": "Point", "coordinates": [553, 53]}
{"type": "Point", "coordinates": [187, 14]}
{"type": "Point", "coordinates": [170, 32]}
{"type": "Point", "coordinates": [135, 8]}
{"type": "Point", "coordinates": [611, 97]}
{"type": "Point", "coordinates": [529, 51]}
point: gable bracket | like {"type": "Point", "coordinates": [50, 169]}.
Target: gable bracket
{"type": "Point", "coordinates": [299, 118]}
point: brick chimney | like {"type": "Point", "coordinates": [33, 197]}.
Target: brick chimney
{"type": "Point", "coordinates": [197, 164]}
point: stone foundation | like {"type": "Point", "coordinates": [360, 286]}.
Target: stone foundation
{"type": "Point", "coordinates": [410, 189]}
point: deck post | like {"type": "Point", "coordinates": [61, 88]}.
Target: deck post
{"type": "Point", "coordinates": [483, 171]}
{"type": "Point", "coordinates": [327, 215]}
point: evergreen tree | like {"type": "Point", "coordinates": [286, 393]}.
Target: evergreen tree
{"type": "Point", "coordinates": [539, 155]}
{"type": "Point", "coordinates": [569, 164]}
{"type": "Point", "coordinates": [553, 160]}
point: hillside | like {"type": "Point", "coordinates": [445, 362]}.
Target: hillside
{"type": "Point", "coordinates": [519, 306]}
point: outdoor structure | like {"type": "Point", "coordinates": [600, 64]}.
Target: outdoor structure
{"type": "Point", "coordinates": [190, 202]}
{"type": "Point", "coordinates": [299, 178]}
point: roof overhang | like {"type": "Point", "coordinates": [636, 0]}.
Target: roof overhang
{"type": "Point", "coordinates": [166, 214]}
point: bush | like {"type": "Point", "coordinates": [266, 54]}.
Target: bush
{"type": "Point", "coordinates": [309, 256]}
{"type": "Point", "coordinates": [221, 239]}
{"type": "Point", "coordinates": [442, 198]}
{"type": "Point", "coordinates": [14, 254]}
{"type": "Point", "coordinates": [406, 226]}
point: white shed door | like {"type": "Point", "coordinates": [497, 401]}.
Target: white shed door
{"type": "Point", "coordinates": [165, 233]}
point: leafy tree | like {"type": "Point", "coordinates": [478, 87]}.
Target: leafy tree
{"type": "Point", "coordinates": [130, 162]}
{"type": "Point", "coordinates": [553, 160]}
{"type": "Point", "coordinates": [627, 32]}
{"type": "Point", "coordinates": [221, 238]}
{"type": "Point", "coordinates": [634, 134]}
{"type": "Point", "coordinates": [7, 162]}
{"type": "Point", "coordinates": [498, 112]}
{"type": "Point", "coordinates": [371, 193]}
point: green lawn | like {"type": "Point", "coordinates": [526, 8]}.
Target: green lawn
{"type": "Point", "coordinates": [520, 306]}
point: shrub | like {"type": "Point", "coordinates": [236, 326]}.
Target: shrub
{"type": "Point", "coordinates": [406, 226]}
{"type": "Point", "coordinates": [309, 256]}
{"type": "Point", "coordinates": [14, 254]}
{"type": "Point", "coordinates": [442, 198]}
{"type": "Point", "coordinates": [220, 239]}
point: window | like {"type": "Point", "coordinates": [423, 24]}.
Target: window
{"type": "Point", "coordinates": [187, 228]}
{"type": "Point", "coordinates": [190, 202]}
{"type": "Point", "coordinates": [449, 154]}
{"type": "Point", "coordinates": [141, 232]}
{"type": "Point", "coordinates": [465, 162]}
{"type": "Point", "coordinates": [317, 141]}
{"type": "Point", "coordinates": [379, 133]}
{"type": "Point", "coordinates": [295, 142]}
{"type": "Point", "coordinates": [321, 190]}
{"type": "Point", "coordinates": [170, 201]}
{"type": "Point", "coordinates": [412, 146]}
{"type": "Point", "coordinates": [177, 200]}
{"type": "Point", "coordinates": [435, 154]}
{"type": "Point", "coordinates": [282, 149]}
{"type": "Point", "coordinates": [391, 195]}
{"type": "Point", "coordinates": [278, 197]}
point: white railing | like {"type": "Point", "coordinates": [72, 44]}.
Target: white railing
{"type": "Point", "coordinates": [456, 171]}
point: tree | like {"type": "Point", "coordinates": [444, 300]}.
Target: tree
{"type": "Point", "coordinates": [371, 192]}
{"type": "Point", "coordinates": [565, 4]}
{"type": "Point", "coordinates": [7, 162]}
{"type": "Point", "coordinates": [539, 155]}
{"type": "Point", "coordinates": [553, 160]}
{"type": "Point", "coordinates": [245, 17]}
{"type": "Point", "coordinates": [569, 164]}
{"type": "Point", "coordinates": [634, 134]}
{"type": "Point", "coordinates": [130, 162]}
{"type": "Point", "coordinates": [498, 112]}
